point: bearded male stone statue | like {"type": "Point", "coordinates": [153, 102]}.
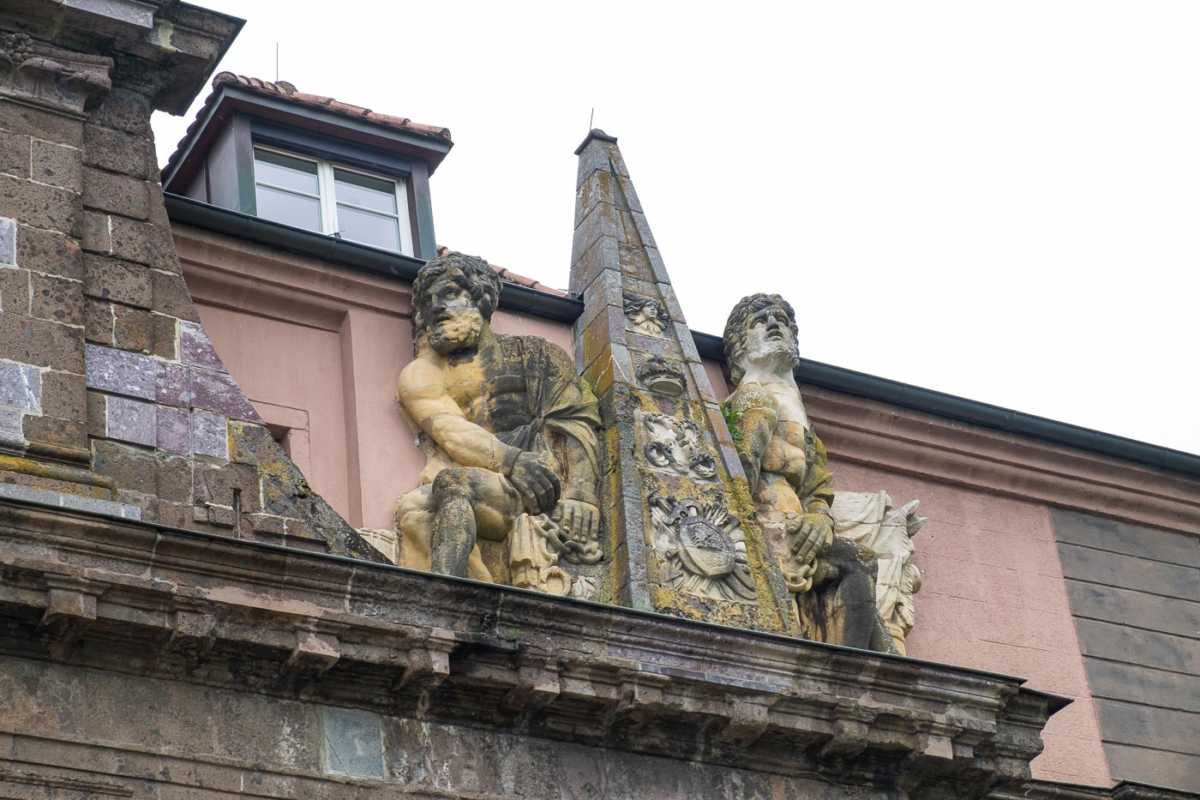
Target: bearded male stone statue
{"type": "Point", "coordinates": [509, 435]}
{"type": "Point", "coordinates": [832, 578]}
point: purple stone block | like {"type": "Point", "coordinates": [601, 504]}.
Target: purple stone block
{"type": "Point", "coordinates": [121, 372]}
{"type": "Point", "coordinates": [131, 421]}
{"type": "Point", "coordinates": [20, 386]}
{"type": "Point", "coordinates": [173, 389]}
{"type": "Point", "coordinates": [210, 435]}
{"type": "Point", "coordinates": [195, 348]}
{"type": "Point", "coordinates": [174, 430]}
{"type": "Point", "coordinates": [217, 391]}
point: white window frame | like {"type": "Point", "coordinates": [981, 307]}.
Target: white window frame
{"type": "Point", "coordinates": [327, 196]}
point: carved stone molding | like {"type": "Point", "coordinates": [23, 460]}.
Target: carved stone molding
{"type": "Point", "coordinates": [662, 376]}
{"type": "Point", "coordinates": [41, 74]}
{"type": "Point", "coordinates": [702, 549]}
{"type": "Point", "coordinates": [676, 446]}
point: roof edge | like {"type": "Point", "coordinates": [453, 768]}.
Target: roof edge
{"type": "Point", "coordinates": [527, 300]}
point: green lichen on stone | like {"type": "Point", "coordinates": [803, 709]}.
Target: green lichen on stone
{"type": "Point", "coordinates": [733, 420]}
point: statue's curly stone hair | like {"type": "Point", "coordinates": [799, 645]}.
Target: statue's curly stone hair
{"type": "Point", "coordinates": [735, 327]}
{"type": "Point", "coordinates": [472, 273]}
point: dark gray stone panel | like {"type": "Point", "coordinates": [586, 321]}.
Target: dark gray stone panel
{"type": "Point", "coordinates": [1150, 727]}
{"type": "Point", "coordinates": [1130, 572]}
{"type": "Point", "coordinates": [1119, 537]}
{"type": "Point", "coordinates": [1154, 687]}
{"type": "Point", "coordinates": [1154, 767]}
{"type": "Point", "coordinates": [1136, 609]}
{"type": "Point", "coordinates": [1131, 645]}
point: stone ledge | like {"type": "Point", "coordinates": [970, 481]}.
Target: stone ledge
{"type": "Point", "coordinates": [177, 604]}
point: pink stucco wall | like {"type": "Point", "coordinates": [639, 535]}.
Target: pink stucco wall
{"type": "Point", "coordinates": [318, 349]}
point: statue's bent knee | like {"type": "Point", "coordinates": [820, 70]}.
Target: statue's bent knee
{"type": "Point", "coordinates": [452, 483]}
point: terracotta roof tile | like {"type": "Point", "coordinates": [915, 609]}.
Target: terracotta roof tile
{"type": "Point", "coordinates": [517, 278]}
{"type": "Point", "coordinates": [288, 91]}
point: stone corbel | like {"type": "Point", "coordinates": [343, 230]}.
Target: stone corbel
{"type": "Point", "coordinates": [193, 628]}
{"type": "Point", "coordinates": [851, 733]}
{"type": "Point", "coordinates": [538, 685]}
{"type": "Point", "coordinates": [316, 650]}
{"type": "Point", "coordinates": [748, 721]}
{"type": "Point", "coordinates": [639, 694]}
{"type": "Point", "coordinates": [70, 608]}
{"type": "Point", "coordinates": [426, 665]}
{"type": "Point", "coordinates": [43, 75]}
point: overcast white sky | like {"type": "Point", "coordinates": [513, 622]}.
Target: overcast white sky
{"type": "Point", "coordinates": [996, 200]}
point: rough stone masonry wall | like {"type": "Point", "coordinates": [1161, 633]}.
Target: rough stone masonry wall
{"type": "Point", "coordinates": [112, 398]}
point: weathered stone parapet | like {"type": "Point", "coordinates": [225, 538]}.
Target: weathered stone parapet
{"type": "Point", "coordinates": [173, 611]}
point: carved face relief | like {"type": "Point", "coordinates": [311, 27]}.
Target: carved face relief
{"type": "Point", "coordinates": [677, 446]}
{"type": "Point", "coordinates": [646, 316]}
{"type": "Point", "coordinates": [454, 323]}
{"type": "Point", "coordinates": [702, 549]}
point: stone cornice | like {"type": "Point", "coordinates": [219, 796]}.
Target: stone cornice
{"type": "Point", "coordinates": [1047, 790]}
{"type": "Point", "coordinates": [40, 74]}
{"type": "Point", "coordinates": [415, 644]}
{"type": "Point", "coordinates": [897, 440]}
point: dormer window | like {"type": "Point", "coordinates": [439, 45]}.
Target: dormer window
{"type": "Point", "coordinates": [331, 198]}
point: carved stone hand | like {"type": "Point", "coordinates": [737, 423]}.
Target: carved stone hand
{"type": "Point", "coordinates": [538, 485]}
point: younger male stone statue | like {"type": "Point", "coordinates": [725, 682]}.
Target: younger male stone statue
{"type": "Point", "coordinates": [785, 463]}
{"type": "Point", "coordinates": [509, 435]}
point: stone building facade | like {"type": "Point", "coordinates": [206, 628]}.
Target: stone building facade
{"type": "Point", "coordinates": [196, 539]}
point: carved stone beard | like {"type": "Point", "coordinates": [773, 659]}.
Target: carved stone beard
{"type": "Point", "coordinates": [763, 353]}
{"type": "Point", "coordinates": [458, 331]}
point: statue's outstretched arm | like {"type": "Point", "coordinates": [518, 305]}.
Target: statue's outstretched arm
{"type": "Point", "coordinates": [422, 392]}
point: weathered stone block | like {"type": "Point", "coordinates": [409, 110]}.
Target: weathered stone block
{"type": "Point", "coordinates": [175, 479]}
{"type": "Point", "coordinates": [56, 299]}
{"type": "Point", "coordinates": [144, 243]}
{"type": "Point", "coordinates": [8, 241]}
{"type": "Point", "coordinates": [39, 205]}
{"type": "Point", "coordinates": [174, 430]}
{"type": "Point", "coordinates": [353, 742]}
{"type": "Point", "coordinates": [42, 343]}
{"type": "Point", "coordinates": [49, 252]}
{"type": "Point", "coordinates": [196, 349]}
{"type": "Point", "coordinates": [20, 118]}
{"type": "Point", "coordinates": [118, 152]}
{"type": "Point", "coordinates": [113, 279]}
{"type": "Point", "coordinates": [64, 395]}
{"type": "Point", "coordinates": [97, 413]}
{"type": "Point", "coordinates": [20, 387]}
{"type": "Point", "coordinates": [96, 235]}
{"type": "Point", "coordinates": [119, 194]}
{"type": "Point", "coordinates": [164, 336]}
{"type": "Point", "coordinates": [132, 328]}
{"type": "Point", "coordinates": [216, 485]}
{"type": "Point", "coordinates": [173, 389]}
{"type": "Point", "coordinates": [98, 321]}
{"type": "Point", "coordinates": [64, 433]}
{"type": "Point", "coordinates": [14, 290]}
{"type": "Point", "coordinates": [132, 421]}
{"type": "Point", "coordinates": [217, 391]}
{"type": "Point", "coordinates": [124, 110]}
{"type": "Point", "coordinates": [171, 296]}
{"type": "Point", "coordinates": [122, 372]}
{"type": "Point", "coordinates": [130, 467]}
{"type": "Point", "coordinates": [57, 165]}
{"type": "Point", "coordinates": [12, 428]}
{"type": "Point", "coordinates": [210, 435]}
{"type": "Point", "coordinates": [15, 154]}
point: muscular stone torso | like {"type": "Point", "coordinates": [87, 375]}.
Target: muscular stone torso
{"type": "Point", "coordinates": [491, 388]}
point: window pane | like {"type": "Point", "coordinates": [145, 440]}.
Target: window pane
{"type": "Point", "coordinates": [288, 208]}
{"type": "Point", "coordinates": [361, 190]}
{"type": "Point", "coordinates": [368, 228]}
{"type": "Point", "coordinates": [280, 170]}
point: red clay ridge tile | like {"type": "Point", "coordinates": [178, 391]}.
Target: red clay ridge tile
{"type": "Point", "coordinates": [514, 277]}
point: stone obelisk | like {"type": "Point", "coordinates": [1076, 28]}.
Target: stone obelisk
{"type": "Point", "coordinates": [682, 538]}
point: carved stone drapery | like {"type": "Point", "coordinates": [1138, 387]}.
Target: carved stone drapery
{"type": "Point", "coordinates": [41, 74]}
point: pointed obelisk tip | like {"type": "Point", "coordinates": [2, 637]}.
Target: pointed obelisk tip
{"type": "Point", "coordinates": [594, 133]}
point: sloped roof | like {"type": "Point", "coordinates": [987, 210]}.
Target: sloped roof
{"type": "Point", "coordinates": [288, 92]}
